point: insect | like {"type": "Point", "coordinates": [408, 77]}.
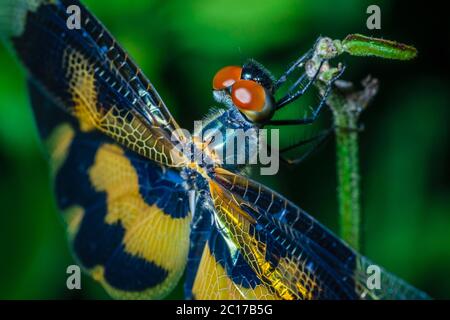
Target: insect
{"type": "Point", "coordinates": [138, 212]}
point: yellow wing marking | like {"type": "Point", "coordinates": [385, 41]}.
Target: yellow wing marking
{"type": "Point", "coordinates": [212, 282]}
{"type": "Point", "coordinates": [289, 279]}
{"type": "Point", "coordinates": [149, 232]}
{"type": "Point", "coordinates": [82, 87]}
{"type": "Point", "coordinates": [98, 274]}
{"type": "Point", "coordinates": [72, 217]}
{"type": "Point", "coordinates": [127, 129]}
{"type": "Point", "coordinates": [58, 144]}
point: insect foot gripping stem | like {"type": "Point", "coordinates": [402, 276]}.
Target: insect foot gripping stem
{"type": "Point", "coordinates": [355, 45]}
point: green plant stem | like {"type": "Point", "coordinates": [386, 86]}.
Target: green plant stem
{"type": "Point", "coordinates": [347, 104]}
{"type": "Point", "coordinates": [347, 170]}
{"type": "Point", "coordinates": [348, 183]}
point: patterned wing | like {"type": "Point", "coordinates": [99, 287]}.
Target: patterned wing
{"type": "Point", "coordinates": [215, 269]}
{"type": "Point", "coordinates": [85, 72]}
{"type": "Point", "coordinates": [261, 246]}
{"type": "Point", "coordinates": [127, 217]}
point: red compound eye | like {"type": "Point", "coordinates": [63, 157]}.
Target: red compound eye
{"type": "Point", "coordinates": [248, 95]}
{"type": "Point", "coordinates": [226, 77]}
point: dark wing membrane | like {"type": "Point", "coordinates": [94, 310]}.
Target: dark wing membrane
{"type": "Point", "coordinates": [90, 76]}
{"type": "Point", "coordinates": [281, 251]}
{"type": "Point", "coordinates": [201, 226]}
{"type": "Point", "coordinates": [214, 270]}
{"type": "Point", "coordinates": [127, 217]}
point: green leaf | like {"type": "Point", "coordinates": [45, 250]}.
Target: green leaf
{"type": "Point", "coordinates": [360, 45]}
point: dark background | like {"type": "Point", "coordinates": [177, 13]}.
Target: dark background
{"type": "Point", "coordinates": [404, 150]}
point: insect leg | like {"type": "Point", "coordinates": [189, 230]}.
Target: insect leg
{"type": "Point", "coordinates": [293, 95]}
{"type": "Point", "coordinates": [320, 136]}
{"type": "Point", "coordinates": [316, 111]}
{"type": "Point", "coordinates": [293, 67]}
{"type": "Point", "coordinates": [317, 141]}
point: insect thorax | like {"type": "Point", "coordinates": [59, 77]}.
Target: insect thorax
{"type": "Point", "coordinates": [227, 139]}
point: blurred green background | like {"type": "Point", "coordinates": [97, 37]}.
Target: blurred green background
{"type": "Point", "coordinates": [404, 150]}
